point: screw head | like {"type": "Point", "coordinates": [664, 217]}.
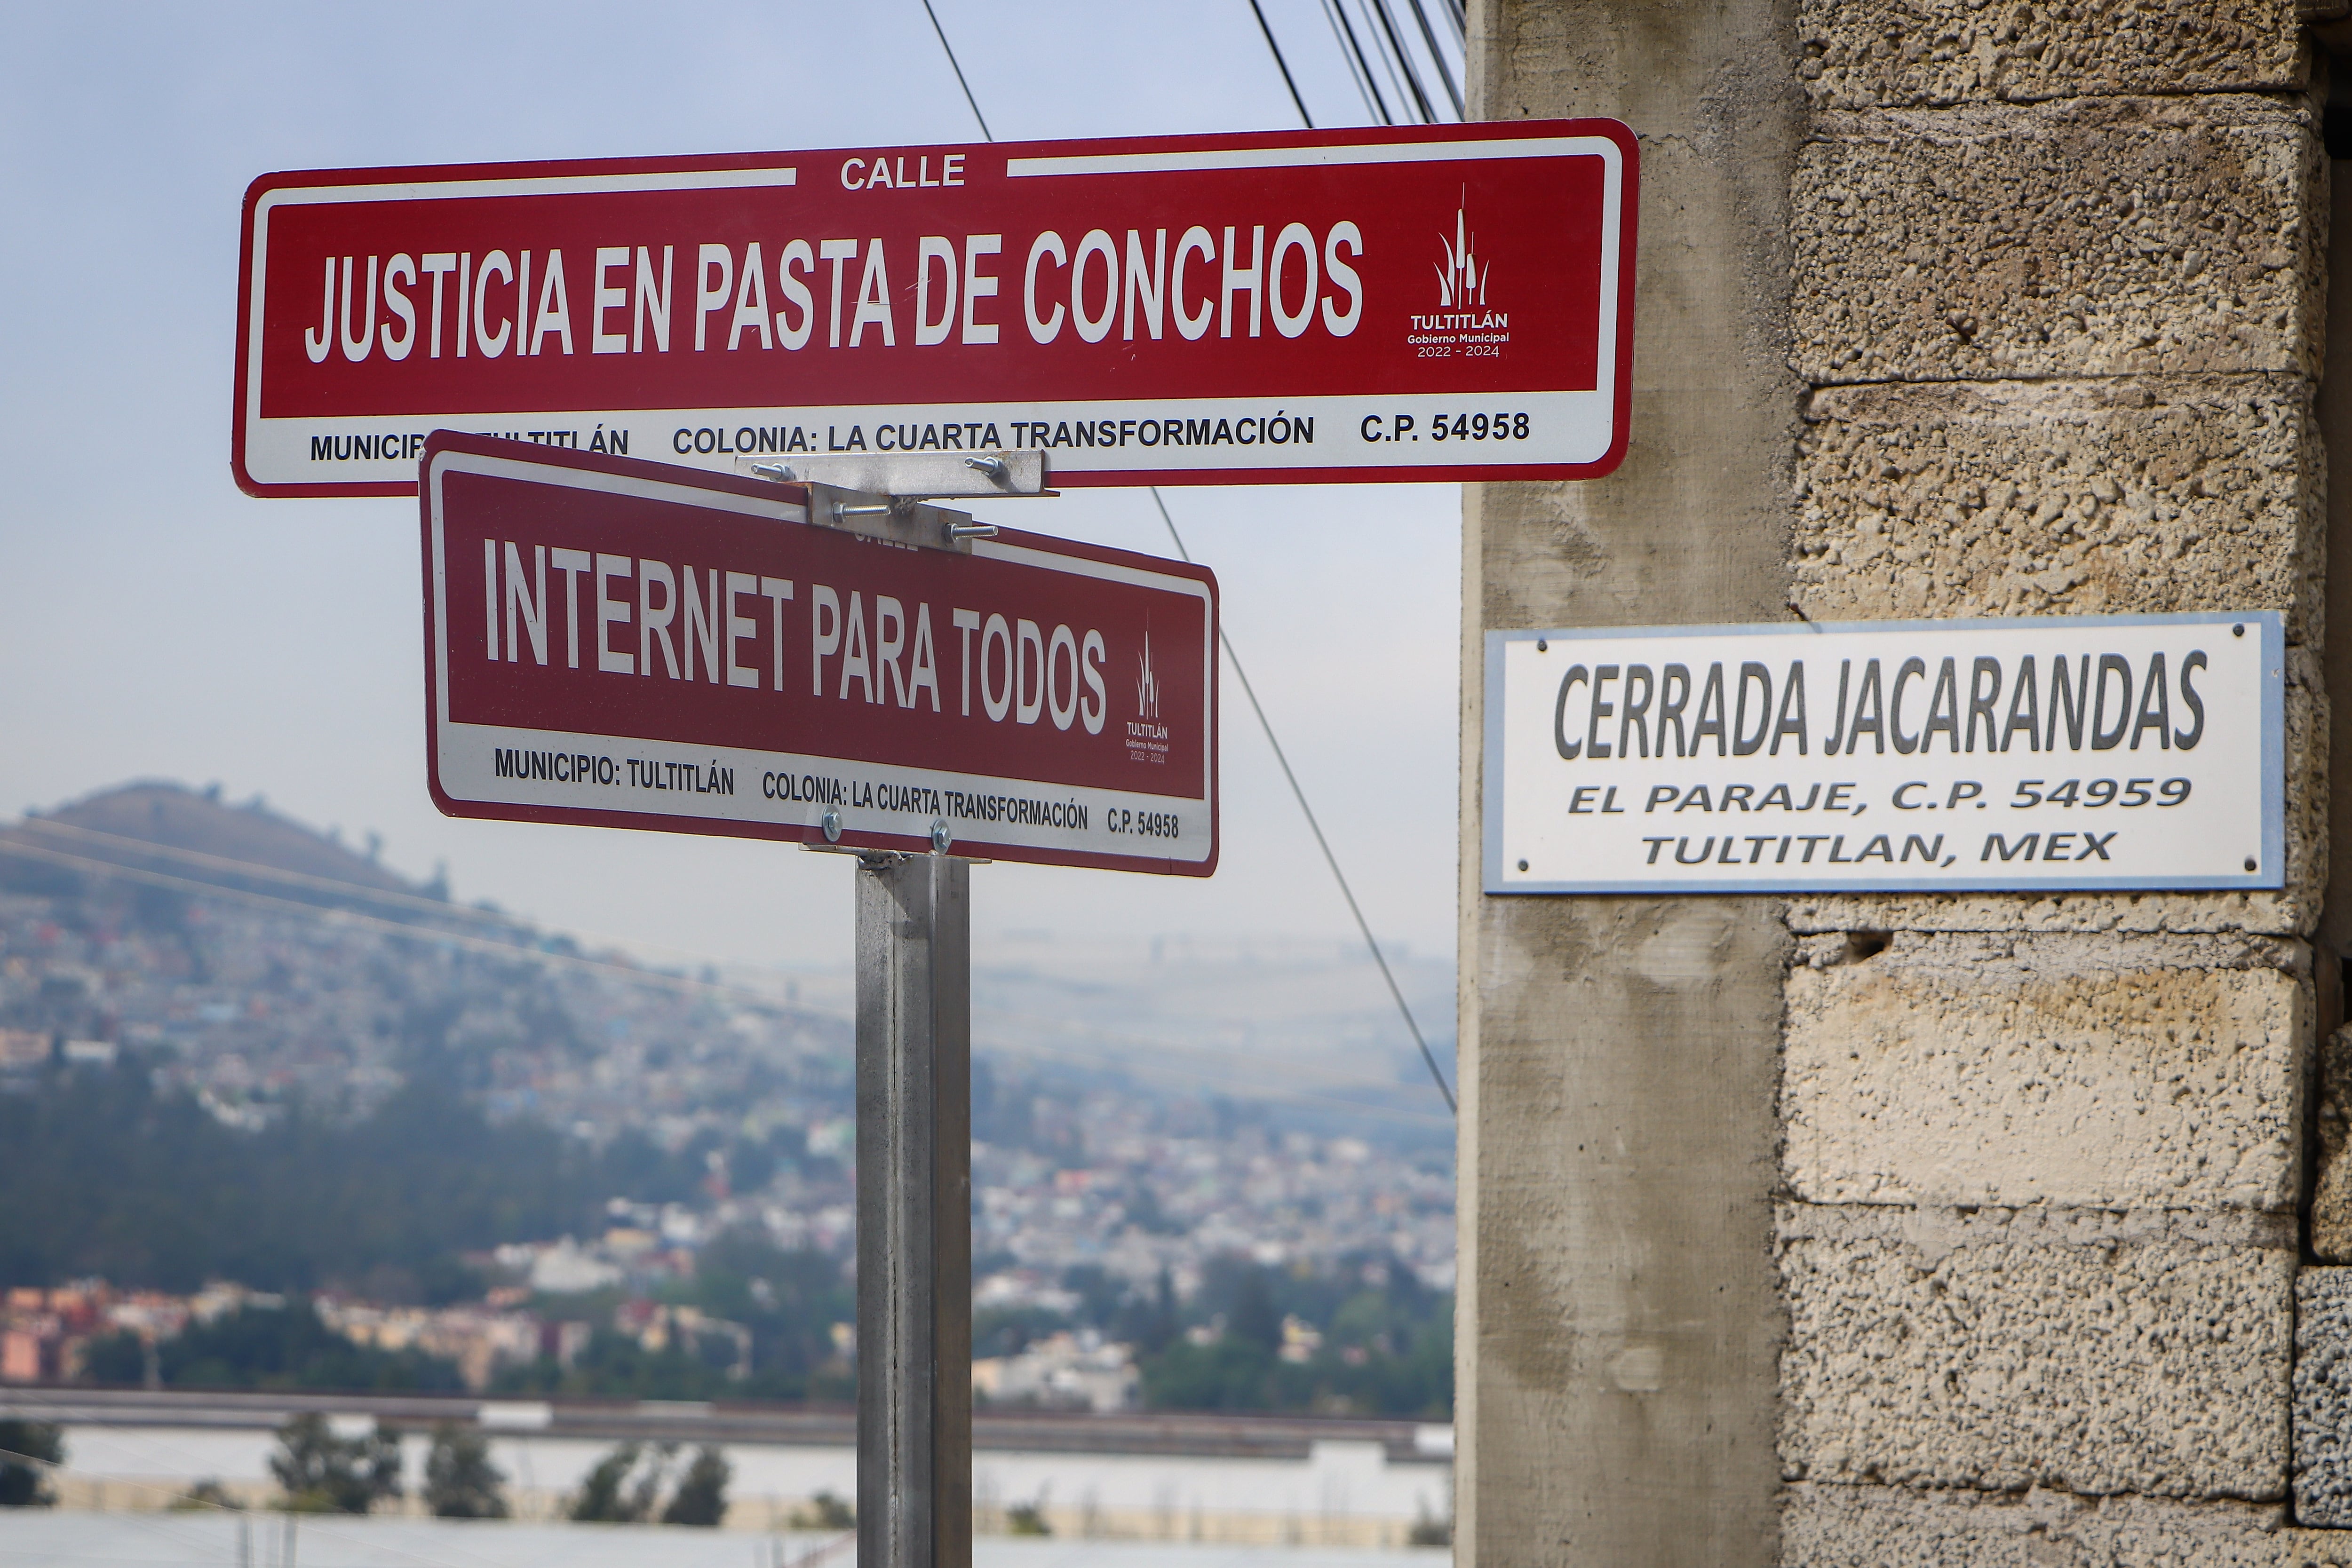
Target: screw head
{"type": "Point", "coordinates": [2249, 863]}
{"type": "Point", "coordinates": [830, 823]}
{"type": "Point", "coordinates": [1523, 866]}
{"type": "Point", "coordinates": [2237, 630]}
{"type": "Point", "coordinates": [941, 837]}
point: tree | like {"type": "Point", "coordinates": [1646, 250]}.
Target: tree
{"type": "Point", "coordinates": [322, 1473]}
{"type": "Point", "coordinates": [22, 1485]}
{"type": "Point", "coordinates": [701, 1496]}
{"type": "Point", "coordinates": [599, 1500]}
{"type": "Point", "coordinates": [606, 1497]}
{"type": "Point", "coordinates": [287, 1346]}
{"type": "Point", "coordinates": [460, 1482]}
{"type": "Point", "coordinates": [824, 1512]}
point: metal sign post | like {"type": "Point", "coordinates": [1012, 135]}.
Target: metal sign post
{"type": "Point", "coordinates": [914, 1211]}
{"type": "Point", "coordinates": [810, 651]}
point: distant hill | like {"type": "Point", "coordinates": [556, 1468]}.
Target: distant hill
{"type": "Point", "coordinates": [162, 829]}
{"type": "Point", "coordinates": [177, 816]}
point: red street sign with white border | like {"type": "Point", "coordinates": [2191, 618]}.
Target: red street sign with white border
{"type": "Point", "coordinates": [1431, 303]}
{"type": "Point", "coordinates": [620, 643]}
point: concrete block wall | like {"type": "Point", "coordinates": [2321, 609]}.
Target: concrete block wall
{"type": "Point", "coordinates": [1947, 307]}
{"type": "Point", "coordinates": [2059, 302]}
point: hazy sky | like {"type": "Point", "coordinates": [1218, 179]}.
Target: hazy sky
{"type": "Point", "coordinates": [156, 623]}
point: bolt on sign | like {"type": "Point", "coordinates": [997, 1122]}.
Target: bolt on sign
{"type": "Point", "coordinates": [622, 643]}
{"type": "Point", "coordinates": [1931, 756]}
{"type": "Point", "coordinates": [1447, 303]}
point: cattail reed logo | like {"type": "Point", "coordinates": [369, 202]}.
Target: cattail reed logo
{"type": "Point", "coordinates": [1462, 279]}
{"type": "Point", "coordinates": [1147, 684]}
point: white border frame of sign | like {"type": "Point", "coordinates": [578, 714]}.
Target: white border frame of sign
{"type": "Point", "coordinates": [782, 503]}
{"type": "Point", "coordinates": [2273, 632]}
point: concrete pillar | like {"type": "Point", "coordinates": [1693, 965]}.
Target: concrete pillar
{"type": "Point", "coordinates": [2044, 1155]}
{"type": "Point", "coordinates": [1868, 1230]}
{"type": "Point", "coordinates": [1619, 1320]}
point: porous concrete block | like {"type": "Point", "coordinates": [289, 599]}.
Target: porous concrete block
{"type": "Point", "coordinates": [2331, 1196]}
{"type": "Point", "coordinates": [2098, 236]}
{"type": "Point", "coordinates": [2323, 1397]}
{"type": "Point", "coordinates": [2143, 496]}
{"type": "Point", "coordinates": [2001, 1349]}
{"type": "Point", "coordinates": [1895, 54]}
{"type": "Point", "coordinates": [1898, 1527]}
{"type": "Point", "coordinates": [2293, 910]}
{"type": "Point", "coordinates": [2003, 1069]}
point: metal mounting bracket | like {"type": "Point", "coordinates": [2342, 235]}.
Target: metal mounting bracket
{"type": "Point", "coordinates": [911, 475]}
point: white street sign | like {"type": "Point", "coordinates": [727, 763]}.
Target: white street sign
{"type": "Point", "coordinates": [1924, 756]}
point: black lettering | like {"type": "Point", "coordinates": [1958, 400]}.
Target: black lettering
{"type": "Point", "coordinates": [2155, 706]}
{"type": "Point", "coordinates": [2100, 738]}
{"type": "Point", "coordinates": [1792, 710]}
{"type": "Point", "coordinates": [2024, 708]}
{"type": "Point", "coordinates": [2187, 739]}
{"type": "Point", "coordinates": [2069, 705]}
{"type": "Point", "coordinates": [1567, 748]}
{"type": "Point", "coordinates": [1673, 691]}
{"type": "Point", "coordinates": [1710, 702]}
{"type": "Point", "coordinates": [1635, 709]}
{"type": "Point", "coordinates": [1904, 744]}
{"type": "Point", "coordinates": [1742, 744]}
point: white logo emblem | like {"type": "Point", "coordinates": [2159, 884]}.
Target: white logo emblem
{"type": "Point", "coordinates": [1146, 684]}
{"type": "Point", "coordinates": [1460, 281]}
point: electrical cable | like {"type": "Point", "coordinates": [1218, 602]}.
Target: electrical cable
{"type": "Point", "coordinates": [1362, 68]}
{"type": "Point", "coordinates": [1387, 66]}
{"type": "Point", "coordinates": [1410, 1024]}
{"type": "Point", "coordinates": [523, 932]}
{"type": "Point", "coordinates": [1403, 61]}
{"type": "Point", "coordinates": [1325, 844]}
{"type": "Point", "coordinates": [652, 979]}
{"type": "Point", "coordinates": [1281, 65]}
{"type": "Point", "coordinates": [438, 908]}
{"type": "Point", "coordinates": [1013, 1032]}
{"type": "Point", "coordinates": [1305, 1097]}
{"type": "Point", "coordinates": [1030, 1025]}
{"type": "Point", "coordinates": [985, 134]}
{"type": "Point", "coordinates": [1437, 58]}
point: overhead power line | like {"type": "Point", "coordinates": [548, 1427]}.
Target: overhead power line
{"type": "Point", "coordinates": [1281, 65]}
{"type": "Point", "coordinates": [985, 134]}
{"type": "Point", "coordinates": [1321, 842]}
{"type": "Point", "coordinates": [467, 940]}
{"type": "Point", "coordinates": [1412, 1026]}
{"type": "Point", "coordinates": [1404, 62]}
{"type": "Point", "coordinates": [1352, 51]}
{"type": "Point", "coordinates": [1437, 58]}
{"type": "Point", "coordinates": [1028, 1031]}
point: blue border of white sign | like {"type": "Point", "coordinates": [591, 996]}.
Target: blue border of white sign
{"type": "Point", "coordinates": [2271, 873]}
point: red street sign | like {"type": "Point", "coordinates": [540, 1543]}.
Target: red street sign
{"type": "Point", "coordinates": [622, 643]}
{"type": "Point", "coordinates": [1444, 302]}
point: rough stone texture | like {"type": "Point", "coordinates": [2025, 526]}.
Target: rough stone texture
{"type": "Point", "coordinates": [2127, 1073]}
{"type": "Point", "coordinates": [2006, 1348]}
{"type": "Point", "coordinates": [2099, 236]}
{"type": "Point", "coordinates": [1618, 1371]}
{"type": "Point", "coordinates": [2331, 1196]}
{"type": "Point", "coordinates": [2292, 910]}
{"type": "Point", "coordinates": [2333, 414]}
{"type": "Point", "coordinates": [2148, 494]}
{"type": "Point", "coordinates": [2323, 1397]}
{"type": "Point", "coordinates": [1893, 54]}
{"type": "Point", "coordinates": [1897, 1527]}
